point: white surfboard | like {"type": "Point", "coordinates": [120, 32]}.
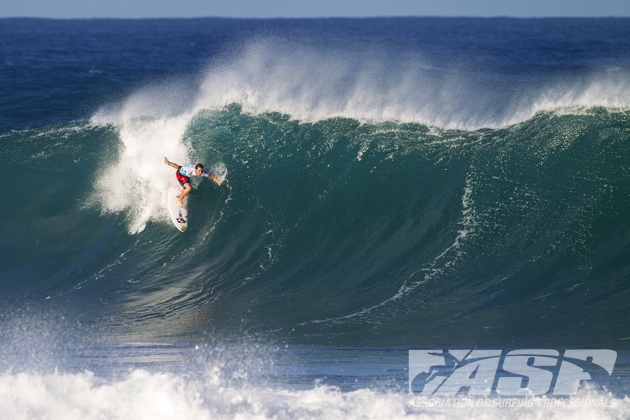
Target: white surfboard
{"type": "Point", "coordinates": [179, 215]}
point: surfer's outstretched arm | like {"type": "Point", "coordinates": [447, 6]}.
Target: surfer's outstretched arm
{"type": "Point", "coordinates": [171, 164]}
{"type": "Point", "coordinates": [215, 179]}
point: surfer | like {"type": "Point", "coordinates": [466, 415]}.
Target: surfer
{"type": "Point", "coordinates": [184, 173]}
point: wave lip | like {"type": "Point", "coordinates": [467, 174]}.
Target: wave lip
{"type": "Point", "coordinates": [311, 84]}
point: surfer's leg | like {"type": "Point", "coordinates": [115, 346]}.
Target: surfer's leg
{"type": "Point", "coordinates": [184, 193]}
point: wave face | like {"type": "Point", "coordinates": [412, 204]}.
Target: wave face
{"type": "Point", "coordinates": [332, 230]}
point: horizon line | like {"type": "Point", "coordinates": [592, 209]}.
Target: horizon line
{"type": "Point", "coordinates": [320, 17]}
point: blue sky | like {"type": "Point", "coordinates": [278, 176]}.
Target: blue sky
{"type": "Point", "coordinates": [311, 8]}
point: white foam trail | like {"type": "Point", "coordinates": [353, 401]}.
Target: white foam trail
{"type": "Point", "coordinates": [151, 124]}
{"type": "Point", "coordinates": [137, 182]}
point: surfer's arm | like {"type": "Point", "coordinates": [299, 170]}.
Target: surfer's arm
{"type": "Point", "coordinates": [215, 179]}
{"type": "Point", "coordinates": [171, 164]}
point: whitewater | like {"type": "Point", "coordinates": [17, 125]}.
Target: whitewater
{"type": "Point", "coordinates": [390, 185]}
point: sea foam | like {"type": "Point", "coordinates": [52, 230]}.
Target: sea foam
{"type": "Point", "coordinates": [144, 395]}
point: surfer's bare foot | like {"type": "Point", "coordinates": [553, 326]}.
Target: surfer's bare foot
{"type": "Point", "coordinates": [181, 203]}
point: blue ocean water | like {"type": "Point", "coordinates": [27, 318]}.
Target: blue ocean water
{"type": "Point", "coordinates": [390, 184]}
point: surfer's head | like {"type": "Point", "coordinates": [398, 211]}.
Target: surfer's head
{"type": "Point", "coordinates": [198, 169]}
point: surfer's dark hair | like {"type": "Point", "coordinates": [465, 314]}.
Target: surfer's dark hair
{"type": "Point", "coordinates": [199, 166]}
